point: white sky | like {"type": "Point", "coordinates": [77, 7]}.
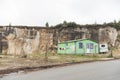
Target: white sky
{"type": "Point", "coordinates": [38, 12]}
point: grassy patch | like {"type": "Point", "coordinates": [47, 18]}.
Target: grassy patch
{"type": "Point", "coordinates": [66, 57]}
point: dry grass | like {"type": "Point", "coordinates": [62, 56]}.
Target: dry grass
{"type": "Point", "coordinates": [38, 59]}
{"type": "Point", "coordinates": [63, 58]}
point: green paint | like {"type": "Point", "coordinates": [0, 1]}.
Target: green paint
{"type": "Point", "coordinates": [83, 46]}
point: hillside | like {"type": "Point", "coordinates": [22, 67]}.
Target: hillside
{"type": "Point", "coordinates": [35, 39]}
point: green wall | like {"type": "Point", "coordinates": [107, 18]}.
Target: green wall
{"type": "Point", "coordinates": [85, 49]}
{"type": "Point", "coordinates": [78, 47]}
{"type": "Point", "coordinates": [66, 48]}
{"type": "Point", "coordinates": [61, 48]}
{"type": "Point", "coordinates": [70, 48]}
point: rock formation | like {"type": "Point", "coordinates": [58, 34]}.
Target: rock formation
{"type": "Point", "coordinates": [108, 35]}
{"type": "Point", "coordinates": [19, 43]}
{"type": "Point", "coordinates": [27, 40]}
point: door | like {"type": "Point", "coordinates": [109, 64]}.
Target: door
{"type": "Point", "coordinates": [87, 48]}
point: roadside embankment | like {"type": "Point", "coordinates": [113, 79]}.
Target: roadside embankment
{"type": "Point", "coordinates": [9, 64]}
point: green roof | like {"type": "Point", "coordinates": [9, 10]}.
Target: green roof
{"type": "Point", "coordinates": [75, 40]}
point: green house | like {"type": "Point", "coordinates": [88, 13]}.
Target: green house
{"type": "Point", "coordinates": [81, 46]}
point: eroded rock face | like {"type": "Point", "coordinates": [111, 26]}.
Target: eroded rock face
{"type": "Point", "coordinates": [28, 40]}
{"type": "Point", "coordinates": [32, 45]}
{"type": "Point", "coordinates": [71, 33]}
{"type": "Point", "coordinates": [18, 43]}
{"type": "Point", "coordinates": [31, 40]}
{"type": "Point", "coordinates": [108, 35]}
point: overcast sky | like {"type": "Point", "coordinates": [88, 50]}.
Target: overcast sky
{"type": "Point", "coordinates": [38, 12]}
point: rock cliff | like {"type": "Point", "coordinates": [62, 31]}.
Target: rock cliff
{"type": "Point", "coordinates": [27, 40]}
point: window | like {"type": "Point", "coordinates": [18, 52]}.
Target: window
{"type": "Point", "coordinates": [66, 43]}
{"type": "Point", "coordinates": [90, 45]}
{"type": "Point", "coordinates": [80, 45]}
{"type": "Point", "coordinates": [102, 45]}
{"type": "Point", "coordinates": [60, 48]}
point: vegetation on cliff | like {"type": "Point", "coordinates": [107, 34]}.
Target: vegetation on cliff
{"type": "Point", "coordinates": [115, 24]}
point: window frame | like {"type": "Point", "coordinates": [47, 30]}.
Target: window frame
{"type": "Point", "coordinates": [90, 46]}
{"type": "Point", "coordinates": [81, 45]}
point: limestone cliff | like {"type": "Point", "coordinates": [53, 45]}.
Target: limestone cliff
{"type": "Point", "coordinates": [27, 40]}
